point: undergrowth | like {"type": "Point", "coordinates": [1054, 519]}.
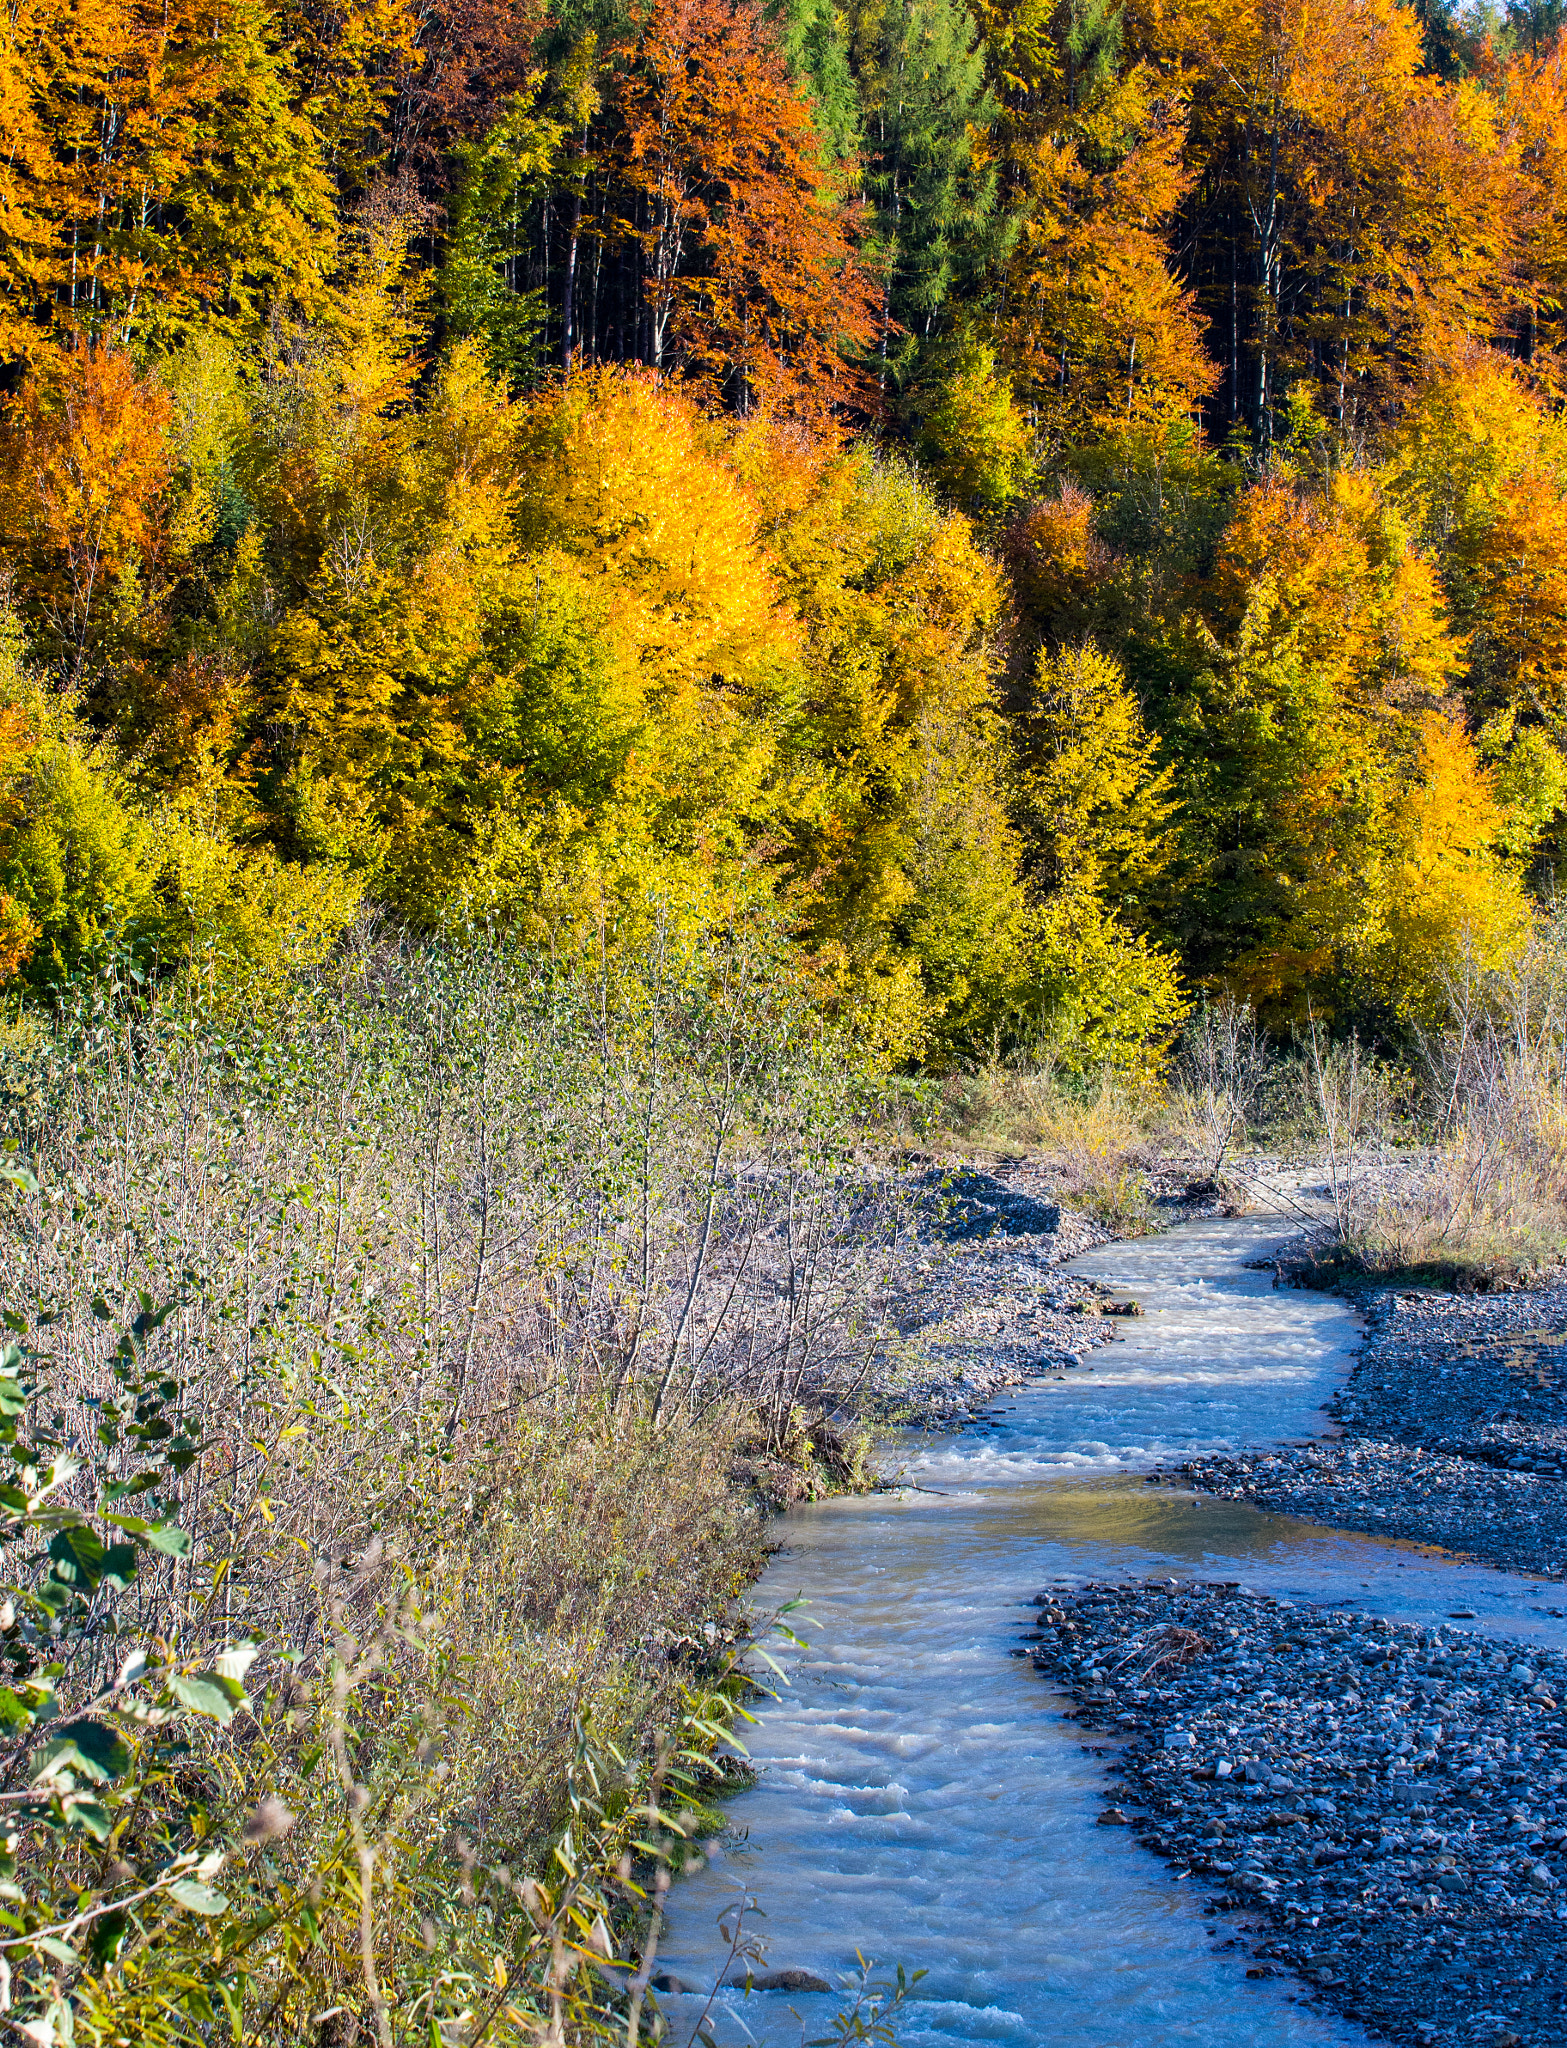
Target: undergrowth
{"type": "Point", "coordinates": [379, 1372]}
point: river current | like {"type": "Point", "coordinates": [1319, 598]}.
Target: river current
{"type": "Point", "coordinates": [921, 1797]}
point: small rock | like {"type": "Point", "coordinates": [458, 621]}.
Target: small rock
{"type": "Point", "coordinates": [781, 1980]}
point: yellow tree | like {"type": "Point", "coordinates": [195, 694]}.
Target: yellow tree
{"type": "Point", "coordinates": [1096, 810]}
{"type": "Point", "coordinates": [1347, 210]}
{"type": "Point", "coordinates": [1325, 643]}
{"type": "Point", "coordinates": [1102, 335]}
{"type": "Point", "coordinates": [898, 853]}
{"type": "Point", "coordinates": [1480, 464]}
{"type": "Point", "coordinates": [1451, 890]}
{"type": "Point", "coordinates": [164, 162]}
{"type": "Point", "coordinates": [1532, 94]}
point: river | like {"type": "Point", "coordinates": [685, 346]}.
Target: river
{"type": "Point", "coordinates": [921, 1796]}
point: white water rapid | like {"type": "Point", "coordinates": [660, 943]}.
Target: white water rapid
{"type": "Point", "coordinates": [921, 1797]}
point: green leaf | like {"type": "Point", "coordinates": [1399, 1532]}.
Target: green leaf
{"type": "Point", "coordinates": [207, 1692]}
{"type": "Point", "coordinates": [16, 1716]}
{"type": "Point", "coordinates": [107, 1935]}
{"type": "Point", "coordinates": [79, 1556]}
{"type": "Point", "coordinates": [90, 1815]}
{"type": "Point", "coordinates": [119, 1565]}
{"type": "Point", "coordinates": [123, 1489]}
{"type": "Point", "coordinates": [21, 1177]}
{"type": "Point", "coordinates": [92, 1748]}
{"type": "Point", "coordinates": [235, 1661]}
{"type": "Point", "coordinates": [198, 1898]}
{"type": "Point", "coordinates": [172, 1541]}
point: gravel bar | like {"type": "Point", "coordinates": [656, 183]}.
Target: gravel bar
{"type": "Point", "coordinates": [1453, 1432]}
{"type": "Point", "coordinates": [1385, 1803]}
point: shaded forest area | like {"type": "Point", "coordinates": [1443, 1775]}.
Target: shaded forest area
{"type": "Point", "coordinates": [1055, 507]}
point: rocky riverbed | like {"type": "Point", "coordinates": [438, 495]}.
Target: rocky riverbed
{"type": "Point", "coordinates": [1452, 1430]}
{"type": "Point", "coordinates": [1379, 1811]}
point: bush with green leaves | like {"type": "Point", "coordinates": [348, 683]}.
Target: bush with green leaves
{"type": "Point", "coordinates": [379, 1365]}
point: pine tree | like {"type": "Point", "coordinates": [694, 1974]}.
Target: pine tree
{"type": "Point", "coordinates": [812, 40]}
{"type": "Point", "coordinates": [921, 72]}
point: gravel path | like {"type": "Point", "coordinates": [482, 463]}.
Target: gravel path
{"type": "Point", "coordinates": [1386, 1802]}
{"type": "Point", "coordinates": [1453, 1432]}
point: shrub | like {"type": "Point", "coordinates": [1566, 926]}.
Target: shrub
{"type": "Point", "coordinates": [379, 1362]}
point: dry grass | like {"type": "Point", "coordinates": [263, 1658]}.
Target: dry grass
{"type": "Point", "coordinates": [1487, 1206]}
{"type": "Point", "coordinates": [1097, 1133]}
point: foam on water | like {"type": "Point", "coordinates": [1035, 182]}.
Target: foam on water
{"type": "Point", "coordinates": [922, 1800]}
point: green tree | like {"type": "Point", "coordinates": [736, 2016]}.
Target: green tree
{"type": "Point", "coordinates": [489, 237]}
{"type": "Point", "coordinates": [922, 77]}
{"type": "Point", "coordinates": [1096, 812]}
{"type": "Point", "coordinates": [973, 436]}
{"type": "Point", "coordinates": [810, 33]}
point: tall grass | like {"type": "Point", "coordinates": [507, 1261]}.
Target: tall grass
{"type": "Point", "coordinates": [378, 1375]}
{"type": "Point", "coordinates": [1104, 1133]}
{"type": "Point", "coordinates": [1094, 1131]}
{"type": "Point", "coordinates": [1486, 1203]}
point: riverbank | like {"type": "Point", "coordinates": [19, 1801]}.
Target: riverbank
{"type": "Point", "coordinates": [912, 1732]}
{"type": "Point", "coordinates": [1451, 1430]}
{"type": "Point", "coordinates": [1385, 1802]}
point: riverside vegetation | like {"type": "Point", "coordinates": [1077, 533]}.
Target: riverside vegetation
{"type": "Point", "coordinates": [395, 1367]}
{"type": "Point", "coordinates": [377, 1369]}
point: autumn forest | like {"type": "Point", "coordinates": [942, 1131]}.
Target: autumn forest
{"type": "Point", "coordinates": [1047, 507]}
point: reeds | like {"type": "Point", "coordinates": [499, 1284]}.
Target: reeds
{"type": "Point", "coordinates": [1486, 1201]}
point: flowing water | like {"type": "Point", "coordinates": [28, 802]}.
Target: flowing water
{"type": "Point", "coordinates": [923, 1800]}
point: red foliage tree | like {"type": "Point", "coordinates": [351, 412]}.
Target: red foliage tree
{"type": "Point", "coordinates": [751, 281]}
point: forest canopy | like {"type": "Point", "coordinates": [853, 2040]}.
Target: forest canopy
{"type": "Point", "coordinates": [1056, 509]}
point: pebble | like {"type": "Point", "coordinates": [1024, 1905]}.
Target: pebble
{"type": "Point", "coordinates": [1387, 1803]}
